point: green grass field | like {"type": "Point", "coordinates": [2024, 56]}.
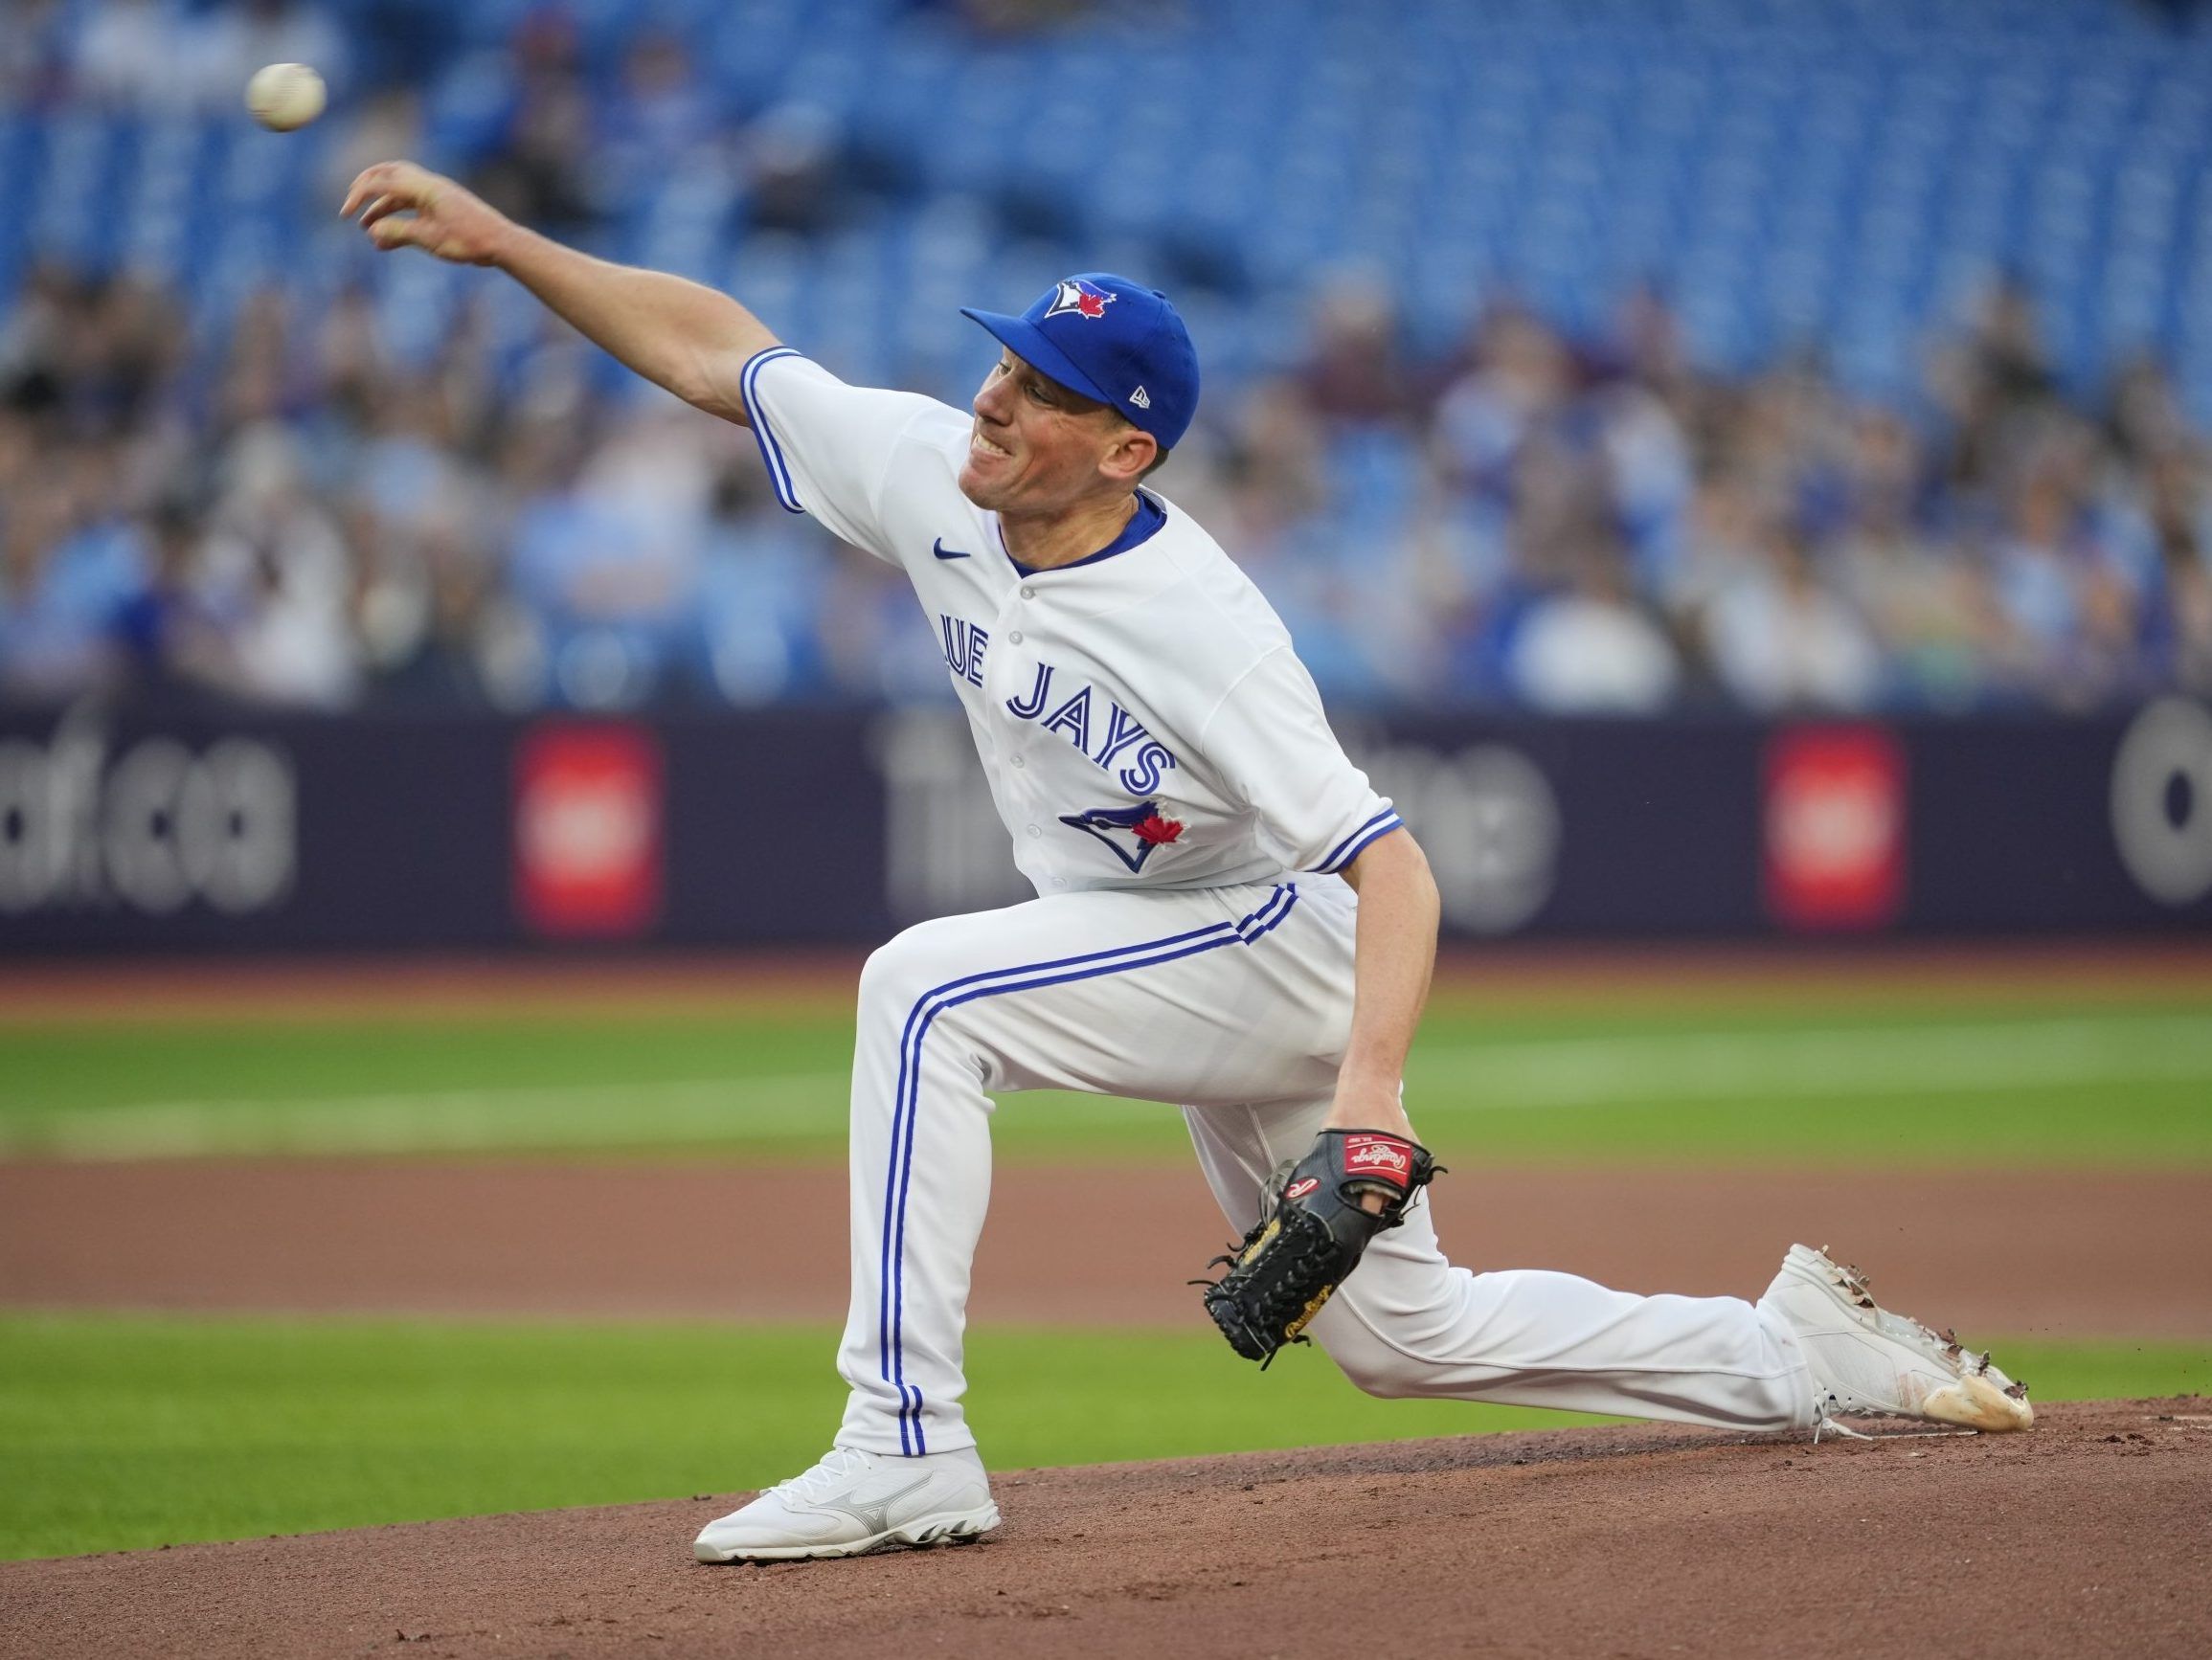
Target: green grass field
{"type": "Point", "coordinates": [1934, 1078]}
{"type": "Point", "coordinates": [120, 1432]}
{"type": "Point", "coordinates": [124, 1432]}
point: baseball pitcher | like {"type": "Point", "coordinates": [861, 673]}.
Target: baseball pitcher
{"type": "Point", "coordinates": [1229, 918]}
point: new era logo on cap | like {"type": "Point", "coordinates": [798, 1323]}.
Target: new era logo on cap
{"type": "Point", "coordinates": [1141, 399]}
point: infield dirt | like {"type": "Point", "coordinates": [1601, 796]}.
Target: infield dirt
{"type": "Point", "coordinates": [2042, 1253]}
{"type": "Point", "coordinates": [2091, 1535]}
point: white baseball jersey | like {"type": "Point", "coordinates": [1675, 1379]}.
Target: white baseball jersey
{"type": "Point", "coordinates": [1140, 714]}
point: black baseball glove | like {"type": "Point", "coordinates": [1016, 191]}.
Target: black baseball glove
{"type": "Point", "coordinates": [1311, 1230]}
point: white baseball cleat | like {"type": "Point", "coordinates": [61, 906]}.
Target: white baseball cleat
{"type": "Point", "coordinates": [854, 1502]}
{"type": "Point", "coordinates": [1864, 1358]}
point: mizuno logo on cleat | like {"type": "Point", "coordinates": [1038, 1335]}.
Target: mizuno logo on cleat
{"type": "Point", "coordinates": [875, 1518]}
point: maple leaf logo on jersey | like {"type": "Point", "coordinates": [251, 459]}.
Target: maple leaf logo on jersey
{"type": "Point", "coordinates": [1131, 832]}
{"type": "Point", "coordinates": [1084, 298]}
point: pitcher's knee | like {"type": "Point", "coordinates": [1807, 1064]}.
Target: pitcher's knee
{"type": "Point", "coordinates": [1371, 1364]}
{"type": "Point", "coordinates": [902, 972]}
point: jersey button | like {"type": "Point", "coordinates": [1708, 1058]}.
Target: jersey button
{"type": "Point", "coordinates": [1029, 593]}
{"type": "Point", "coordinates": [1018, 762]}
{"type": "Point", "coordinates": [1059, 881]}
{"type": "Point", "coordinates": [1015, 638]}
{"type": "Point", "coordinates": [1035, 831]}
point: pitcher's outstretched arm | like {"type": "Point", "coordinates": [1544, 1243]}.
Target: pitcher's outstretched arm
{"type": "Point", "coordinates": [677, 333]}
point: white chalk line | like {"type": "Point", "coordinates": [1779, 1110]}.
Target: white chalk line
{"type": "Point", "coordinates": [1797, 1064]}
{"type": "Point", "coordinates": [448, 1121]}
{"type": "Point", "coordinates": [1644, 1070]}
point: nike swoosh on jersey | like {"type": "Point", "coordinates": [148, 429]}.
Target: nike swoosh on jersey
{"type": "Point", "coordinates": [939, 548]}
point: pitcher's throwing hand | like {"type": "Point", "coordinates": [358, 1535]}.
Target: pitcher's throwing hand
{"type": "Point", "coordinates": [405, 206]}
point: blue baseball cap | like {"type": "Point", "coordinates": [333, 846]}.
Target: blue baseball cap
{"type": "Point", "coordinates": [1112, 339]}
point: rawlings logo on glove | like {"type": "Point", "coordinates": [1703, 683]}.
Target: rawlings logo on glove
{"type": "Point", "coordinates": [1374, 1154]}
{"type": "Point", "coordinates": [1311, 1232]}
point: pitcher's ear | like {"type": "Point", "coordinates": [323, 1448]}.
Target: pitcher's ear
{"type": "Point", "coordinates": [1134, 453]}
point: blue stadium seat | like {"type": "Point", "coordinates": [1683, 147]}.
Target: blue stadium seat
{"type": "Point", "coordinates": [1786, 166]}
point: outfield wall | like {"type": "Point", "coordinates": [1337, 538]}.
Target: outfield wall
{"type": "Point", "coordinates": [129, 832]}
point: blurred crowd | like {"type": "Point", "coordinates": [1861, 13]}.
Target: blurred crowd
{"type": "Point", "coordinates": [1541, 523]}
{"type": "Point", "coordinates": [292, 512]}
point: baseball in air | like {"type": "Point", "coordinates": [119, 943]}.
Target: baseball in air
{"type": "Point", "coordinates": [283, 96]}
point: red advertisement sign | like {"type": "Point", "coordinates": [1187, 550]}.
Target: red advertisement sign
{"type": "Point", "coordinates": [587, 830]}
{"type": "Point", "coordinates": [1834, 827]}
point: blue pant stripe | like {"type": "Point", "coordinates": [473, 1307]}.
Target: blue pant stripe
{"type": "Point", "coordinates": [893, 1197]}
{"type": "Point", "coordinates": [907, 1102]}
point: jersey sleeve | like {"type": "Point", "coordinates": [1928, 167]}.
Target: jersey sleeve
{"type": "Point", "coordinates": [1273, 747]}
{"type": "Point", "coordinates": [829, 446]}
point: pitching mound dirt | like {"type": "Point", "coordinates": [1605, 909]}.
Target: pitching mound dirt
{"type": "Point", "coordinates": [2090, 1535]}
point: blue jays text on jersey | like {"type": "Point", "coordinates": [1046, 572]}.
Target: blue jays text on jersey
{"type": "Point", "coordinates": [965, 644]}
{"type": "Point", "coordinates": [1135, 758]}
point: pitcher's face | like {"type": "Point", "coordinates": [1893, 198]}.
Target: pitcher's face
{"type": "Point", "coordinates": [1037, 447]}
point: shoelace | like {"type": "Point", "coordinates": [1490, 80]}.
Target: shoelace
{"type": "Point", "coordinates": [836, 1465]}
{"type": "Point", "coordinates": [1825, 1422]}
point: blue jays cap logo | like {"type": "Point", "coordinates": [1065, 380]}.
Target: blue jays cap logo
{"type": "Point", "coordinates": [1084, 298]}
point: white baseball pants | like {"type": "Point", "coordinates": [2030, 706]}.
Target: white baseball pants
{"type": "Point", "coordinates": [1236, 1004]}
